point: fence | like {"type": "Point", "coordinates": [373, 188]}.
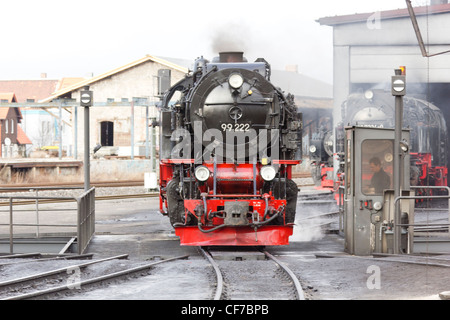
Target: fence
{"type": "Point", "coordinates": [86, 219]}
{"type": "Point", "coordinates": [341, 191]}
{"type": "Point", "coordinates": [428, 197]}
{"type": "Point", "coordinates": [19, 209]}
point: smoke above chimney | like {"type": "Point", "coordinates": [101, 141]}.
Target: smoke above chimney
{"type": "Point", "coordinates": [230, 38]}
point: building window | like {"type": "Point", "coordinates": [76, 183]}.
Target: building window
{"type": "Point", "coordinates": [6, 126]}
{"type": "Point", "coordinates": [12, 126]}
{"type": "Point", "coordinates": [107, 133]}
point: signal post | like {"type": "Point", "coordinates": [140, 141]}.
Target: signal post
{"type": "Point", "coordinates": [86, 99]}
{"type": "Point", "coordinates": [398, 91]}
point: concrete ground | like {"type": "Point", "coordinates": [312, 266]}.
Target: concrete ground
{"type": "Point", "coordinates": [135, 227]}
{"type": "Point", "coordinates": [140, 230]}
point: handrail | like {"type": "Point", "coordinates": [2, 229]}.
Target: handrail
{"type": "Point", "coordinates": [85, 214]}
{"type": "Point", "coordinates": [426, 197]}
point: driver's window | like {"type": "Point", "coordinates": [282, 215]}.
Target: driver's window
{"type": "Point", "coordinates": [377, 166]}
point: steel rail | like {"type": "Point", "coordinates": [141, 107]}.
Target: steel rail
{"type": "Point", "coordinates": [41, 258]}
{"type": "Point", "coordinates": [17, 187]}
{"type": "Point", "coordinates": [298, 287]}
{"type": "Point", "coordinates": [21, 255]}
{"type": "Point", "coordinates": [219, 286]}
{"type": "Point", "coordinates": [92, 280]}
{"type": "Point", "coordinates": [56, 271]}
{"type": "Point", "coordinates": [424, 262]}
{"type": "Point", "coordinates": [55, 199]}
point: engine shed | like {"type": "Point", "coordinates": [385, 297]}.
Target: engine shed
{"type": "Point", "coordinates": [368, 46]}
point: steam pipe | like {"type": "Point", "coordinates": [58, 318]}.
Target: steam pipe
{"type": "Point", "coordinates": [210, 230]}
{"type": "Point", "coordinates": [204, 204]}
{"type": "Point", "coordinates": [254, 177]}
{"type": "Point", "coordinates": [266, 210]}
{"type": "Point", "coordinates": [214, 177]}
{"type": "Point", "coordinates": [258, 224]}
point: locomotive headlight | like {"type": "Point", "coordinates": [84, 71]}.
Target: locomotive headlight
{"type": "Point", "coordinates": [235, 80]}
{"type": "Point", "coordinates": [368, 94]}
{"type": "Point", "coordinates": [202, 173]}
{"type": "Point", "coordinates": [312, 149]}
{"type": "Point", "coordinates": [268, 173]}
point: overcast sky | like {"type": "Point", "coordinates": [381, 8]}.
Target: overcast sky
{"type": "Point", "coordinates": [72, 38]}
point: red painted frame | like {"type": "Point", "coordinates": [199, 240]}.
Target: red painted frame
{"type": "Point", "coordinates": [235, 236]}
{"type": "Point", "coordinates": [229, 190]}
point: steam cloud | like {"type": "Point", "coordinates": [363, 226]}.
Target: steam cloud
{"type": "Point", "coordinates": [231, 37]}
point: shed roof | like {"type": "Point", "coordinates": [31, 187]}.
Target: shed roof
{"type": "Point", "coordinates": [67, 82]}
{"type": "Point", "coordinates": [301, 85]}
{"type": "Point", "coordinates": [4, 113]}
{"type": "Point", "coordinates": [9, 96]}
{"type": "Point", "coordinates": [29, 89]}
{"type": "Point", "coordinates": [22, 137]}
{"type": "Point", "coordinates": [87, 82]}
{"type": "Point", "coordinates": [389, 14]}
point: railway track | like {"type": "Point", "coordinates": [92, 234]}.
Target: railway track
{"type": "Point", "coordinates": [44, 284]}
{"type": "Point", "coordinates": [413, 259]}
{"type": "Point", "coordinates": [267, 279]}
{"type": "Point", "coordinates": [38, 257]}
{"type": "Point", "coordinates": [97, 184]}
{"type": "Point", "coordinates": [105, 197]}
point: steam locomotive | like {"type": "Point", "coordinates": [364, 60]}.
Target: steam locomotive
{"type": "Point", "coordinates": [229, 140]}
{"type": "Point", "coordinates": [429, 141]}
{"type": "Point", "coordinates": [321, 155]}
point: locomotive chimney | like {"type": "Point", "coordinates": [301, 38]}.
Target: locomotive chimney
{"type": "Point", "coordinates": [231, 56]}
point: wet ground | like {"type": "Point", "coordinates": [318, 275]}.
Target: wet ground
{"type": "Point", "coordinates": [139, 230]}
{"type": "Point", "coordinates": [135, 227]}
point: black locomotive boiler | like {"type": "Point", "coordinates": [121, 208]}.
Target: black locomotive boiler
{"type": "Point", "coordinates": [229, 139]}
{"type": "Point", "coordinates": [429, 141]}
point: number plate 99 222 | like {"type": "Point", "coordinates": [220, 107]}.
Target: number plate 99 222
{"type": "Point", "coordinates": [235, 126]}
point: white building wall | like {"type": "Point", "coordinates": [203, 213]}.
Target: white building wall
{"type": "Point", "coordinates": [375, 64]}
{"type": "Point", "coordinates": [369, 51]}
{"type": "Point", "coordinates": [41, 128]}
{"type": "Point", "coordinates": [136, 82]}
